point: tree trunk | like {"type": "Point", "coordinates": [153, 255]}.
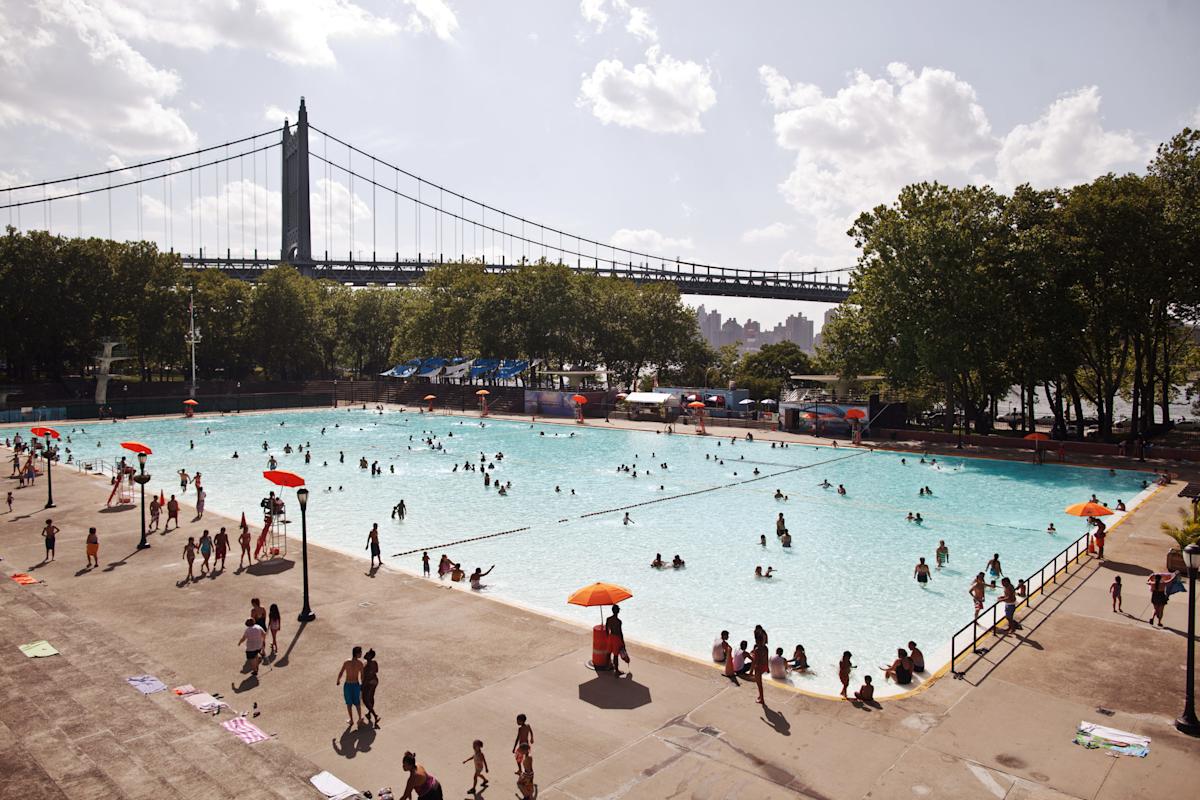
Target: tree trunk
{"type": "Point", "coordinates": [1166, 380]}
{"type": "Point", "coordinates": [948, 417]}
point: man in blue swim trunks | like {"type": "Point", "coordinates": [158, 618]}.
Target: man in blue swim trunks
{"type": "Point", "coordinates": [352, 690]}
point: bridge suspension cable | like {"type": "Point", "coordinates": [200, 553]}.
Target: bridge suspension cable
{"type": "Point", "coordinates": [461, 218]}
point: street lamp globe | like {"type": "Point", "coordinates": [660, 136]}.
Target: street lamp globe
{"type": "Point", "coordinates": [302, 496]}
{"type": "Point", "coordinates": [1191, 556]}
{"type": "Point", "coordinates": [141, 457]}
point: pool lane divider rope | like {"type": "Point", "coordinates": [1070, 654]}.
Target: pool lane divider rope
{"type": "Point", "coordinates": [634, 505]}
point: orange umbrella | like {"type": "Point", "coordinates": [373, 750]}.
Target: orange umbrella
{"type": "Point", "coordinates": [695, 404]}
{"type": "Point", "coordinates": [578, 398]}
{"type": "Point", "coordinates": [190, 402]}
{"type": "Point", "coordinates": [483, 393]}
{"type": "Point", "coordinates": [1088, 510]}
{"type": "Point", "coordinates": [1037, 437]}
{"type": "Point", "coordinates": [281, 477]}
{"type": "Point", "coordinates": [810, 415]}
{"type": "Point", "coordinates": [430, 397]}
{"type": "Point", "coordinates": [600, 594]}
{"type": "Point", "coordinates": [42, 430]}
{"type": "Point", "coordinates": [137, 447]}
{"type": "Point", "coordinates": [856, 413]}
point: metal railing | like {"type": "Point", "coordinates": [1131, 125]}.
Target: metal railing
{"type": "Point", "coordinates": [1066, 557]}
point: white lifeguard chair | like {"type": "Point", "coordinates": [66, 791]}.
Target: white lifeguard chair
{"type": "Point", "coordinates": [277, 536]}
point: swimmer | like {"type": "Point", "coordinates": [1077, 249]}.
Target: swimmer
{"type": "Point", "coordinates": [921, 572]}
{"type": "Point", "coordinates": [778, 494]}
{"type": "Point", "coordinates": [825, 484]}
{"type": "Point", "coordinates": [1120, 505]}
{"type": "Point", "coordinates": [976, 591]}
{"type": "Point", "coordinates": [909, 518]}
{"type": "Point", "coordinates": [841, 490]}
{"type": "Point", "coordinates": [1050, 529]}
{"type": "Point", "coordinates": [628, 520]}
{"type": "Point", "coordinates": [993, 567]}
{"type": "Point", "coordinates": [763, 540]}
{"type": "Point", "coordinates": [786, 539]}
{"type": "Point", "coordinates": [918, 519]}
{"type": "Point", "coordinates": [759, 573]}
{"type": "Point", "coordinates": [657, 563]}
{"type": "Point", "coordinates": [942, 554]}
{"type": "Point", "coordinates": [677, 562]}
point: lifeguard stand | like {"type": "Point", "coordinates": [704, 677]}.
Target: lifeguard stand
{"type": "Point", "coordinates": [275, 545]}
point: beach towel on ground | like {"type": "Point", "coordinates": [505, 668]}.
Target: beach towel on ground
{"type": "Point", "coordinates": [332, 787]}
{"type": "Point", "coordinates": [146, 684]}
{"type": "Point", "coordinates": [203, 701]}
{"type": "Point", "coordinates": [247, 731]}
{"type": "Point", "coordinates": [24, 579]}
{"type": "Point", "coordinates": [39, 649]}
{"type": "Point", "coordinates": [187, 688]}
{"type": "Point", "coordinates": [1093, 736]}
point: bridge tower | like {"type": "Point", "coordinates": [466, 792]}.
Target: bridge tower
{"type": "Point", "coordinates": [296, 248]}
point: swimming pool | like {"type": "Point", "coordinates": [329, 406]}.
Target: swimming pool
{"type": "Point", "coordinates": [846, 583]}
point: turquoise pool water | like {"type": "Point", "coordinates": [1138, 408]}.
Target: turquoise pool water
{"type": "Point", "coordinates": [846, 583]}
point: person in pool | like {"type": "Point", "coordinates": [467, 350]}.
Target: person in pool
{"type": "Point", "coordinates": [841, 490]}
{"type": "Point", "coordinates": [1050, 529]}
{"type": "Point", "coordinates": [825, 484]}
{"type": "Point", "coordinates": [942, 554]}
{"type": "Point", "coordinates": [677, 562]}
{"type": "Point", "coordinates": [921, 572]}
{"type": "Point", "coordinates": [993, 567]}
{"type": "Point", "coordinates": [657, 563]}
{"type": "Point", "coordinates": [799, 660]}
{"type": "Point", "coordinates": [786, 539]}
{"type": "Point", "coordinates": [759, 573]}
{"type": "Point", "coordinates": [917, 519]}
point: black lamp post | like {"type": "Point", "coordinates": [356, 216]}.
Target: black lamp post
{"type": "Point", "coordinates": [306, 613]}
{"type": "Point", "coordinates": [239, 397]}
{"type": "Point", "coordinates": [125, 401]}
{"type": "Point", "coordinates": [49, 477]}
{"type": "Point", "coordinates": [142, 478]}
{"type": "Point", "coordinates": [1187, 722]}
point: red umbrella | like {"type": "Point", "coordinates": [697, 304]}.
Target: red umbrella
{"type": "Point", "coordinates": [1037, 437]}
{"type": "Point", "coordinates": [695, 404]}
{"type": "Point", "coordinates": [856, 413]}
{"type": "Point", "coordinates": [810, 415]}
{"type": "Point", "coordinates": [578, 398]}
{"type": "Point", "coordinates": [191, 402]}
{"type": "Point", "coordinates": [42, 430]}
{"type": "Point", "coordinates": [281, 477]}
{"type": "Point", "coordinates": [137, 447]}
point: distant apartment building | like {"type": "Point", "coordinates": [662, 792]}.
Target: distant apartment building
{"type": "Point", "coordinates": [751, 336]}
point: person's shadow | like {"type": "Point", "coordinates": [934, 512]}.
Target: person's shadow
{"type": "Point", "coordinates": [373, 570]}
{"type": "Point", "coordinates": [356, 739]}
{"type": "Point", "coordinates": [777, 721]}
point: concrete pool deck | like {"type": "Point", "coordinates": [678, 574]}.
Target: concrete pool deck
{"type": "Point", "coordinates": [455, 667]}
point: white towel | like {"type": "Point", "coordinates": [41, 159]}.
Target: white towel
{"type": "Point", "coordinates": [331, 786]}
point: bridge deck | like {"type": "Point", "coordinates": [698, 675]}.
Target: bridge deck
{"type": "Point", "coordinates": [690, 279]}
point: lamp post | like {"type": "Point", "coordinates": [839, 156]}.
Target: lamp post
{"type": "Point", "coordinates": [1187, 722]}
{"type": "Point", "coordinates": [306, 613]}
{"type": "Point", "coordinates": [49, 477]}
{"type": "Point", "coordinates": [239, 397]}
{"type": "Point", "coordinates": [142, 479]}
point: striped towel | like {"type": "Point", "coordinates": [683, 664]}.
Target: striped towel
{"type": "Point", "coordinates": [247, 731]}
{"type": "Point", "coordinates": [24, 579]}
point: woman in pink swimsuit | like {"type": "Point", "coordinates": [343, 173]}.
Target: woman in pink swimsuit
{"type": "Point", "coordinates": [420, 782]}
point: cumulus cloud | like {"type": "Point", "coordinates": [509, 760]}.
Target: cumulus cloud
{"type": "Point", "coordinates": [856, 148]}
{"type": "Point", "coordinates": [663, 95]}
{"type": "Point", "coordinates": [594, 12]}
{"type": "Point", "coordinates": [67, 67]}
{"type": "Point", "coordinates": [292, 31]}
{"type": "Point", "coordinates": [275, 115]}
{"type": "Point", "coordinates": [1067, 144]}
{"type": "Point", "coordinates": [434, 16]}
{"type": "Point", "coordinates": [640, 25]}
{"type": "Point", "coordinates": [647, 240]}
{"type": "Point", "coordinates": [767, 233]}
{"type": "Point", "coordinates": [637, 20]}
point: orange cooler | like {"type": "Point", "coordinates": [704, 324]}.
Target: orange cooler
{"type": "Point", "coordinates": [599, 647]}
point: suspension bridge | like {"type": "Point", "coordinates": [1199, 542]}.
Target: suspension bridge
{"type": "Point", "coordinates": [375, 223]}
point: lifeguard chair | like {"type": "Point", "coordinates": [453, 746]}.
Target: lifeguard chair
{"type": "Point", "coordinates": [272, 542]}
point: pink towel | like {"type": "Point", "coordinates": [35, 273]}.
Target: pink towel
{"type": "Point", "coordinates": [248, 732]}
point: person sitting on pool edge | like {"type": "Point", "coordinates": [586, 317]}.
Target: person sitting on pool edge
{"type": "Point", "coordinates": [743, 664]}
{"type": "Point", "coordinates": [866, 694]}
{"type": "Point", "coordinates": [901, 670]}
{"type": "Point", "coordinates": [917, 657]}
{"type": "Point", "coordinates": [657, 563]}
{"type": "Point", "coordinates": [777, 665]}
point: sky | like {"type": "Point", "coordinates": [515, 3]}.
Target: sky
{"type": "Point", "coordinates": [736, 134]}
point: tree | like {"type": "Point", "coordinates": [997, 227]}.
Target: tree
{"type": "Point", "coordinates": [284, 324]}
{"type": "Point", "coordinates": [765, 372]}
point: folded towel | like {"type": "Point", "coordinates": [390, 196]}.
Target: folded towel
{"type": "Point", "coordinates": [146, 684]}
{"type": "Point", "coordinates": [187, 688]}
{"type": "Point", "coordinates": [203, 701]}
{"type": "Point", "coordinates": [39, 649]}
{"type": "Point", "coordinates": [24, 579]}
{"type": "Point", "coordinates": [247, 731]}
{"type": "Point", "coordinates": [332, 787]}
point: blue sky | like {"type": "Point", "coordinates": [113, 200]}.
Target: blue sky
{"type": "Point", "coordinates": [730, 133]}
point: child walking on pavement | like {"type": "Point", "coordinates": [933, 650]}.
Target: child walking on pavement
{"type": "Point", "coordinates": [524, 736]}
{"type": "Point", "coordinates": [480, 765]}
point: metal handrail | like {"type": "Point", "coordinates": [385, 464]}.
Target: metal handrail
{"type": "Point", "coordinates": [1080, 546]}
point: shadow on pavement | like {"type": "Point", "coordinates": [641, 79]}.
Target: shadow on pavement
{"type": "Point", "coordinates": [272, 567]}
{"type": "Point", "coordinates": [354, 740]}
{"type": "Point", "coordinates": [282, 661]}
{"type": "Point", "coordinates": [606, 691]}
